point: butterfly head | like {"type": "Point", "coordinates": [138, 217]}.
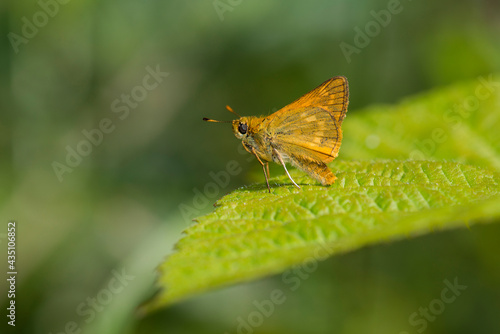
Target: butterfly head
{"type": "Point", "coordinates": [241, 127]}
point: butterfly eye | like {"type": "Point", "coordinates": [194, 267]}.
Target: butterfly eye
{"type": "Point", "coordinates": [242, 128]}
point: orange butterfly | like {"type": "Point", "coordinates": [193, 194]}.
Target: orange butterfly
{"type": "Point", "coordinates": [305, 133]}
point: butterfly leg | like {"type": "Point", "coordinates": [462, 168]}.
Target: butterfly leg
{"type": "Point", "coordinates": [286, 170]}
{"type": "Point", "coordinates": [267, 175]}
{"type": "Point", "coordinates": [264, 167]}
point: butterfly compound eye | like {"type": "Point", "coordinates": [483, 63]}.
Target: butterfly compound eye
{"type": "Point", "coordinates": [242, 128]}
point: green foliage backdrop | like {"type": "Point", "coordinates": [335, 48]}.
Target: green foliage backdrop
{"type": "Point", "coordinates": [114, 92]}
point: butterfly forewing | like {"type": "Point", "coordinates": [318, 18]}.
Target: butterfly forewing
{"type": "Point", "coordinates": [332, 96]}
{"type": "Point", "coordinates": [310, 126]}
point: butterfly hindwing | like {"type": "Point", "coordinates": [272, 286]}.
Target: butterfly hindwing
{"type": "Point", "coordinates": [311, 132]}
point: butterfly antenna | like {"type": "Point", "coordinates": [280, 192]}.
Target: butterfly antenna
{"type": "Point", "coordinates": [231, 110]}
{"type": "Point", "coordinates": [215, 121]}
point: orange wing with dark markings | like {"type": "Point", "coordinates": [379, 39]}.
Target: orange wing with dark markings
{"type": "Point", "coordinates": [310, 127]}
{"type": "Point", "coordinates": [332, 96]}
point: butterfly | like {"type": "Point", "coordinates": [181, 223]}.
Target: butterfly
{"type": "Point", "coordinates": [306, 133]}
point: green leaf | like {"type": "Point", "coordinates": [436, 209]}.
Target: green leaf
{"type": "Point", "coordinates": [252, 233]}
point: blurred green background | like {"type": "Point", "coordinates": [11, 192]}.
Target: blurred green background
{"type": "Point", "coordinates": [115, 211]}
